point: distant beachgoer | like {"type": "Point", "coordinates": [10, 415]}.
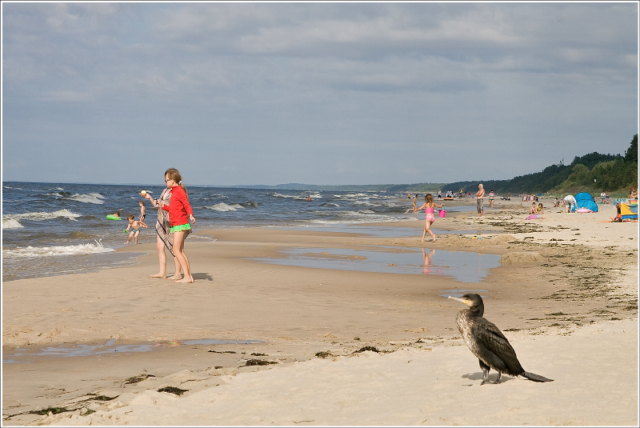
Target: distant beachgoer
{"type": "Point", "coordinates": [429, 206]}
{"type": "Point", "coordinates": [534, 209]}
{"type": "Point", "coordinates": [164, 238]}
{"type": "Point", "coordinates": [180, 212]}
{"type": "Point", "coordinates": [134, 225]}
{"type": "Point", "coordinates": [534, 217]}
{"type": "Point", "coordinates": [308, 198]}
{"type": "Point", "coordinates": [116, 214]}
{"type": "Point", "coordinates": [607, 200]}
{"type": "Point", "coordinates": [540, 208]}
{"type": "Point", "coordinates": [570, 202]}
{"type": "Point", "coordinates": [439, 193]}
{"type": "Point", "coordinates": [491, 197]}
{"type": "Point", "coordinates": [633, 194]}
{"type": "Point", "coordinates": [408, 195]}
{"type": "Point", "coordinates": [480, 199]}
{"type": "Point", "coordinates": [415, 202]}
{"type": "Point", "coordinates": [143, 215]}
{"type": "Point", "coordinates": [617, 217]}
{"type": "Point", "coordinates": [556, 202]}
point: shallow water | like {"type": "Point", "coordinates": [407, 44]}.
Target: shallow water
{"type": "Point", "coordinates": [463, 266]}
{"type": "Point", "coordinates": [110, 347]}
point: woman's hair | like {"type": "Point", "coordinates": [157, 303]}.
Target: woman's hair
{"type": "Point", "coordinates": [174, 175]}
{"type": "Point", "coordinates": [619, 207]}
{"type": "Point", "coordinates": [428, 198]}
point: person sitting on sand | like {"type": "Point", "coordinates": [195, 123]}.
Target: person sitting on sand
{"type": "Point", "coordinates": [618, 217]}
{"type": "Point", "coordinates": [134, 225]}
{"type": "Point", "coordinates": [540, 209]}
{"type": "Point", "coordinates": [633, 194]}
{"type": "Point", "coordinates": [534, 209]}
{"type": "Point", "coordinates": [556, 202]}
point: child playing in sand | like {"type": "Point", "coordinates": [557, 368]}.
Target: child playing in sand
{"type": "Point", "coordinates": [180, 212]}
{"type": "Point", "coordinates": [534, 209]}
{"type": "Point", "coordinates": [135, 229]}
{"type": "Point", "coordinates": [429, 206]}
{"type": "Point", "coordinates": [143, 214]}
{"type": "Point", "coordinates": [540, 208]}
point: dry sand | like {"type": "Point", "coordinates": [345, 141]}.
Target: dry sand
{"type": "Point", "coordinates": [565, 295]}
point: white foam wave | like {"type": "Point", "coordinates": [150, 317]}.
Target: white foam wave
{"type": "Point", "coordinates": [11, 223]}
{"type": "Point", "coordinates": [64, 250]}
{"type": "Point", "coordinates": [280, 195]}
{"type": "Point", "coordinates": [40, 216]}
{"type": "Point", "coordinates": [13, 188]}
{"type": "Point", "coordinates": [330, 204]}
{"type": "Point", "coordinates": [222, 207]}
{"type": "Point", "coordinates": [91, 198]}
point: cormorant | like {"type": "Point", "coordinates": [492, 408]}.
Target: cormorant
{"type": "Point", "coordinates": [488, 343]}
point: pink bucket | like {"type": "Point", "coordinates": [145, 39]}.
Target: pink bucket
{"type": "Point", "coordinates": [441, 213]}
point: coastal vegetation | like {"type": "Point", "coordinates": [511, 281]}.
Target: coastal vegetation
{"type": "Point", "coordinates": [593, 172]}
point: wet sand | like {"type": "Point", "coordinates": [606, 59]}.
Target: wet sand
{"type": "Point", "coordinates": [564, 282]}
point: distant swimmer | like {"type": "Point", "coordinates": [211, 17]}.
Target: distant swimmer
{"type": "Point", "coordinates": [308, 198]}
{"type": "Point", "coordinates": [487, 342]}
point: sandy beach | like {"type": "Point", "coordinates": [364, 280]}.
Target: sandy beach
{"type": "Point", "coordinates": [337, 347]}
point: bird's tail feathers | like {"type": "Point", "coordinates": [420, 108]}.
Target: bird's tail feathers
{"type": "Point", "coordinates": [536, 378]}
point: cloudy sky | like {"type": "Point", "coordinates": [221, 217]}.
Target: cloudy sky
{"type": "Point", "coordinates": [318, 93]}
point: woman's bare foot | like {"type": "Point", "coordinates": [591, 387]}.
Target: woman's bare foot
{"type": "Point", "coordinates": [158, 275]}
{"type": "Point", "coordinates": [186, 280]}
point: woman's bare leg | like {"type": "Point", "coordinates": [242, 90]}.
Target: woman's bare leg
{"type": "Point", "coordinates": [178, 249]}
{"type": "Point", "coordinates": [178, 271]}
{"type": "Point", "coordinates": [162, 259]}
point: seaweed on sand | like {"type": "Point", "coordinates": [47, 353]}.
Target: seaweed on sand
{"type": "Point", "coordinates": [136, 379]}
{"type": "Point", "coordinates": [256, 362]}
{"type": "Point", "coordinates": [173, 390]}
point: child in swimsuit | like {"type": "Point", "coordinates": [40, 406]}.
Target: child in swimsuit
{"type": "Point", "coordinates": [429, 206]}
{"type": "Point", "coordinates": [618, 217]}
{"type": "Point", "coordinates": [491, 197]}
{"type": "Point", "coordinates": [135, 229]}
{"type": "Point", "coordinates": [143, 214]}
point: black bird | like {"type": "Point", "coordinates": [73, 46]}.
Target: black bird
{"type": "Point", "coordinates": [488, 343]}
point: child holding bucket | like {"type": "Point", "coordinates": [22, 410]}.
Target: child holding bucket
{"type": "Point", "coordinates": [429, 207]}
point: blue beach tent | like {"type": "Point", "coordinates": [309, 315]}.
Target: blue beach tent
{"type": "Point", "coordinates": [585, 200]}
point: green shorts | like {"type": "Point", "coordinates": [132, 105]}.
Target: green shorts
{"type": "Point", "coordinates": [181, 228]}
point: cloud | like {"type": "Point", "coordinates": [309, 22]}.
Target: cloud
{"type": "Point", "coordinates": [381, 83]}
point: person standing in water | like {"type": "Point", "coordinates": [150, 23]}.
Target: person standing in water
{"type": "Point", "coordinates": [429, 206]}
{"type": "Point", "coordinates": [180, 212]}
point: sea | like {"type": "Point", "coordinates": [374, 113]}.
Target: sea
{"type": "Point", "coordinates": [60, 228]}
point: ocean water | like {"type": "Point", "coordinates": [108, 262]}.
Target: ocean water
{"type": "Point", "coordinates": [55, 228]}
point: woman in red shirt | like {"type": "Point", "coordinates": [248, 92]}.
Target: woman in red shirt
{"type": "Point", "coordinates": [180, 213]}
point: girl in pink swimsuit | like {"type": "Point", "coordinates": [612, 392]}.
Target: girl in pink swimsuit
{"type": "Point", "coordinates": [429, 206]}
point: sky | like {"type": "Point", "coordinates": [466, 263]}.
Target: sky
{"type": "Point", "coordinates": [314, 93]}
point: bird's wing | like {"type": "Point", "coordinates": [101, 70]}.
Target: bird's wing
{"type": "Point", "coordinates": [490, 336]}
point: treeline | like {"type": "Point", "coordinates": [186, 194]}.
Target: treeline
{"type": "Point", "coordinates": [593, 172]}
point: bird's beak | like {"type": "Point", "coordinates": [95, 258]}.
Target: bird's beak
{"type": "Point", "coordinates": [466, 302]}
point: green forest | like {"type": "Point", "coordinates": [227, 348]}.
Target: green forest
{"type": "Point", "coordinates": [592, 173]}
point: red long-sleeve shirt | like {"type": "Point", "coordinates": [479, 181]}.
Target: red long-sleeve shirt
{"type": "Point", "coordinates": [179, 209]}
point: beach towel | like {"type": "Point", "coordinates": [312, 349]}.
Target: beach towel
{"type": "Point", "coordinates": [163, 227]}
